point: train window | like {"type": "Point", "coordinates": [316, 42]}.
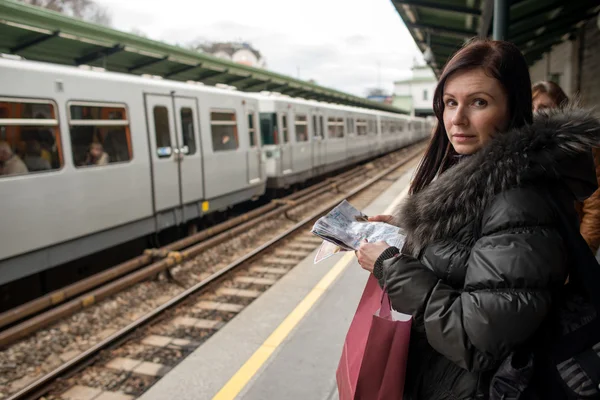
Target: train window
{"type": "Point", "coordinates": [162, 131]}
{"type": "Point", "coordinates": [335, 127]}
{"type": "Point", "coordinates": [284, 128]}
{"type": "Point", "coordinates": [252, 128]}
{"type": "Point", "coordinates": [316, 131]}
{"type": "Point", "coordinates": [29, 137]}
{"type": "Point", "coordinates": [301, 128]}
{"type": "Point", "coordinates": [99, 133]}
{"type": "Point", "coordinates": [187, 131]}
{"type": "Point", "coordinates": [224, 130]}
{"type": "Point", "coordinates": [322, 123]}
{"type": "Point", "coordinates": [268, 128]}
{"type": "Point", "coordinates": [331, 127]}
{"type": "Point", "coordinates": [361, 127]}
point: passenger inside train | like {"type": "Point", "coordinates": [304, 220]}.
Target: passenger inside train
{"type": "Point", "coordinates": [33, 143]}
{"type": "Point", "coordinates": [96, 155]}
{"type": "Point", "coordinates": [268, 128]}
{"type": "Point", "coordinates": [33, 158]}
{"type": "Point", "coordinates": [224, 131]}
{"type": "Point", "coordinates": [10, 163]}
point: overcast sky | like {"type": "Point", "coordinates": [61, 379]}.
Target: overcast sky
{"type": "Point", "coordinates": [339, 43]}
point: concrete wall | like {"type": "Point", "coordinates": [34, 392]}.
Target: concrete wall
{"type": "Point", "coordinates": [565, 59]}
{"type": "Point", "coordinates": [590, 66]}
{"type": "Point", "coordinates": [562, 61]}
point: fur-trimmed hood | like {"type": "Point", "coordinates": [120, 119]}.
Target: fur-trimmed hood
{"type": "Point", "coordinates": [555, 147]}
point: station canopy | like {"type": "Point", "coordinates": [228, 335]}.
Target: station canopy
{"type": "Point", "coordinates": [43, 35]}
{"type": "Point", "coordinates": [534, 25]}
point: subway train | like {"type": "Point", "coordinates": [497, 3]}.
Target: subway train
{"type": "Point", "coordinates": [302, 139]}
{"type": "Point", "coordinates": [91, 159]}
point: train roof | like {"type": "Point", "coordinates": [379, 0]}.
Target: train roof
{"type": "Point", "coordinates": [267, 97]}
{"type": "Point", "coordinates": [96, 73]}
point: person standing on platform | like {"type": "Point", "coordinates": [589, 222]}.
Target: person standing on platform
{"type": "Point", "coordinates": [483, 250]}
{"type": "Point", "coordinates": [548, 95]}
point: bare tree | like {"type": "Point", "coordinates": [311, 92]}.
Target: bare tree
{"type": "Point", "coordinates": [139, 32]}
{"type": "Point", "coordinates": [376, 92]}
{"type": "Point", "coordinates": [87, 10]}
{"type": "Point", "coordinates": [98, 15]}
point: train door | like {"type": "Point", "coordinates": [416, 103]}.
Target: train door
{"type": "Point", "coordinates": [253, 155]}
{"type": "Point", "coordinates": [164, 152]}
{"type": "Point", "coordinates": [372, 136]}
{"type": "Point", "coordinates": [353, 141]}
{"type": "Point", "coordinates": [318, 143]}
{"type": "Point", "coordinates": [286, 147]}
{"type": "Point", "coordinates": [188, 150]}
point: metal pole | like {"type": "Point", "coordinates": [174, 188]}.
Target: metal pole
{"type": "Point", "coordinates": [501, 18]}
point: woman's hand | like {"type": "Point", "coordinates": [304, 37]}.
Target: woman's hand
{"type": "Point", "coordinates": [389, 219]}
{"type": "Point", "coordinates": [368, 253]}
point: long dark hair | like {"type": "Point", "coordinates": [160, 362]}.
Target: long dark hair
{"type": "Point", "coordinates": [500, 60]}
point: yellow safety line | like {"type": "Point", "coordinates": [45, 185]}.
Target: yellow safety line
{"type": "Point", "coordinates": [249, 369]}
{"type": "Point", "coordinates": [238, 381]}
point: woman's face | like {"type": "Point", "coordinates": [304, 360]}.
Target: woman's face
{"type": "Point", "coordinates": [475, 108]}
{"type": "Point", "coordinates": [542, 101]}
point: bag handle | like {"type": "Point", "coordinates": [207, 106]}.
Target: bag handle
{"type": "Point", "coordinates": [386, 305]}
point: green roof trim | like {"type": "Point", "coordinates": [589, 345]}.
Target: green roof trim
{"type": "Point", "coordinates": [534, 25]}
{"type": "Point", "coordinates": [417, 80]}
{"type": "Point", "coordinates": [43, 35]}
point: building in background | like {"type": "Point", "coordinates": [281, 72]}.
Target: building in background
{"type": "Point", "coordinates": [241, 53]}
{"type": "Point", "coordinates": [379, 95]}
{"type": "Point", "coordinates": [415, 95]}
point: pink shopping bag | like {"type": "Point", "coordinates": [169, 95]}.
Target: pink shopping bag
{"type": "Point", "coordinates": [373, 362]}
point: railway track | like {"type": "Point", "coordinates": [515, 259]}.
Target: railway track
{"type": "Point", "coordinates": [139, 328]}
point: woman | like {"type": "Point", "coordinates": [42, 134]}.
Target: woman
{"type": "Point", "coordinates": [483, 248]}
{"type": "Point", "coordinates": [548, 95]}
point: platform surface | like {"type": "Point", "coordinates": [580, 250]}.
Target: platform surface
{"type": "Point", "coordinates": [301, 366]}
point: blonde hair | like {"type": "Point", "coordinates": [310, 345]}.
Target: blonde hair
{"type": "Point", "coordinates": [5, 146]}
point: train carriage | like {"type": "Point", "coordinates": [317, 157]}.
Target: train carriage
{"type": "Point", "coordinates": [338, 136]}
{"type": "Point", "coordinates": [172, 153]}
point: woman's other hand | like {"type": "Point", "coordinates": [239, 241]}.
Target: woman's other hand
{"type": "Point", "coordinates": [368, 253]}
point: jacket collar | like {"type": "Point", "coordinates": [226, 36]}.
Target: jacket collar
{"type": "Point", "coordinates": [554, 147]}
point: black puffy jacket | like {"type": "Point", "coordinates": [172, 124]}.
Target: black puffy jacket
{"type": "Point", "coordinates": [487, 253]}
